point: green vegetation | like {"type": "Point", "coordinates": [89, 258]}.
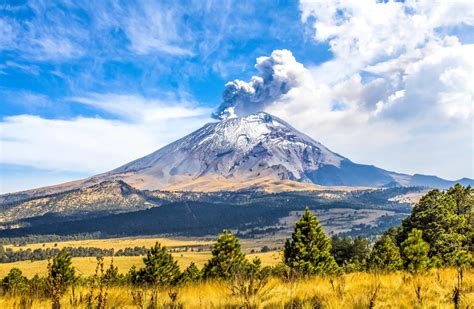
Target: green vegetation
{"type": "Point", "coordinates": [160, 269]}
{"type": "Point", "coordinates": [415, 252]}
{"type": "Point", "coordinates": [61, 275]}
{"type": "Point", "coordinates": [308, 252]}
{"type": "Point", "coordinates": [385, 256]}
{"type": "Point", "coordinates": [15, 282]}
{"type": "Point", "coordinates": [9, 255]}
{"type": "Point", "coordinates": [227, 258]}
{"type": "Point", "coordinates": [35, 239]}
{"type": "Point", "coordinates": [350, 253]}
{"type": "Point", "coordinates": [446, 222]}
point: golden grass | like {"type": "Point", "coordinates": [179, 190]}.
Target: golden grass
{"type": "Point", "coordinates": [86, 265]}
{"type": "Point", "coordinates": [116, 243]}
{"type": "Point", "coordinates": [121, 243]}
{"type": "Point", "coordinates": [396, 290]}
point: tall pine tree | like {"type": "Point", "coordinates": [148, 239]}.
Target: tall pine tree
{"type": "Point", "coordinates": [308, 252]}
{"type": "Point", "coordinates": [415, 252]}
{"type": "Point", "coordinates": [160, 267]}
{"type": "Point", "coordinates": [61, 274]}
{"type": "Point", "coordinates": [385, 255]}
{"type": "Point", "coordinates": [227, 258]}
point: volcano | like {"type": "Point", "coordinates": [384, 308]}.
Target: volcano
{"type": "Point", "coordinates": [246, 152]}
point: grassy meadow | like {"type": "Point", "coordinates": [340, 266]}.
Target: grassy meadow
{"type": "Point", "coordinates": [356, 290]}
{"type": "Point", "coordinates": [86, 265]}
{"type": "Point", "coordinates": [117, 243]}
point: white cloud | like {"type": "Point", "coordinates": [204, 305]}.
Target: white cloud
{"type": "Point", "coordinates": [86, 145]}
{"type": "Point", "coordinates": [139, 109]}
{"type": "Point", "coordinates": [151, 28]}
{"type": "Point", "coordinates": [37, 40]}
{"type": "Point", "coordinates": [372, 30]}
{"type": "Point", "coordinates": [92, 145]}
{"type": "Point", "coordinates": [58, 32]}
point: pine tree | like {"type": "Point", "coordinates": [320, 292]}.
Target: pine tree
{"type": "Point", "coordinates": [112, 274]}
{"type": "Point", "coordinates": [385, 255]}
{"type": "Point", "coordinates": [62, 270]}
{"type": "Point", "coordinates": [308, 252]}
{"type": "Point", "coordinates": [191, 274]}
{"type": "Point", "coordinates": [348, 251]}
{"type": "Point", "coordinates": [61, 274]}
{"type": "Point", "coordinates": [15, 282]}
{"type": "Point", "coordinates": [227, 257]}
{"type": "Point", "coordinates": [160, 267]}
{"type": "Point", "coordinates": [415, 252]}
{"type": "Point", "coordinates": [464, 198]}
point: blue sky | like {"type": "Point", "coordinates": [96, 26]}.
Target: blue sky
{"type": "Point", "coordinates": [64, 50]}
{"type": "Point", "coordinates": [86, 86]}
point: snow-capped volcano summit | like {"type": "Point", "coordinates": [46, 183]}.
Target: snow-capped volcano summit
{"type": "Point", "coordinates": [240, 148]}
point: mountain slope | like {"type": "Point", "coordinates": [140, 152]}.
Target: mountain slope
{"type": "Point", "coordinates": [244, 149]}
{"type": "Point", "coordinates": [237, 149]}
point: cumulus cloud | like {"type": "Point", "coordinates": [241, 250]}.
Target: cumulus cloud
{"type": "Point", "coordinates": [397, 93]}
{"type": "Point", "coordinates": [360, 32]}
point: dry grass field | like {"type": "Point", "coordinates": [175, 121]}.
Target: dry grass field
{"type": "Point", "coordinates": [358, 290]}
{"type": "Point", "coordinates": [86, 265]}
{"type": "Point", "coordinates": [122, 243]}
{"type": "Point", "coordinates": [117, 243]}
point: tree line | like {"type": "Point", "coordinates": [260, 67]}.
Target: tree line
{"type": "Point", "coordinates": [42, 238]}
{"type": "Point", "coordinates": [8, 255]}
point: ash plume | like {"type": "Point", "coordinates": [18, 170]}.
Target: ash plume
{"type": "Point", "coordinates": [278, 74]}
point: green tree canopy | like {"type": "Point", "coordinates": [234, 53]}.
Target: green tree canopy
{"type": "Point", "coordinates": [61, 270]}
{"type": "Point", "coordinates": [160, 267]}
{"type": "Point", "coordinates": [348, 250]}
{"type": "Point", "coordinates": [15, 282]}
{"type": "Point", "coordinates": [308, 252]}
{"type": "Point", "coordinates": [191, 273]}
{"type": "Point", "coordinates": [415, 252]}
{"type": "Point", "coordinates": [385, 255]}
{"type": "Point", "coordinates": [464, 197]}
{"type": "Point", "coordinates": [446, 221]}
{"type": "Point", "coordinates": [227, 257]}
